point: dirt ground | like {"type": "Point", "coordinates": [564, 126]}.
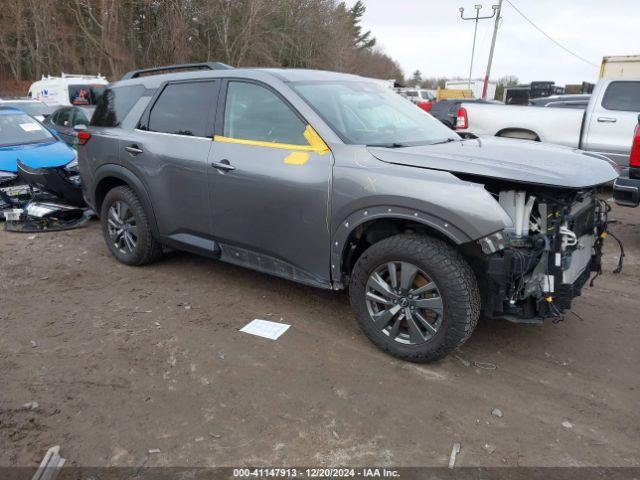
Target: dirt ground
{"type": "Point", "coordinates": [121, 360]}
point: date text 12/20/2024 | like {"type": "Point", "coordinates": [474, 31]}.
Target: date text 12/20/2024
{"type": "Point", "coordinates": [315, 473]}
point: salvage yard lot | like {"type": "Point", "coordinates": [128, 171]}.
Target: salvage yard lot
{"type": "Point", "coordinates": [122, 360]}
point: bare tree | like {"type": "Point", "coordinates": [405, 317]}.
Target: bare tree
{"type": "Point", "coordinates": [113, 36]}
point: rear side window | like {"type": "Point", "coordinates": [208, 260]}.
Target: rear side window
{"type": "Point", "coordinates": [115, 104]}
{"type": "Point", "coordinates": [183, 109]}
{"type": "Point", "coordinates": [253, 112]}
{"type": "Point", "coordinates": [624, 96]}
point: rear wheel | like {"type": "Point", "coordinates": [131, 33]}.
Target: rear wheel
{"type": "Point", "coordinates": [415, 297]}
{"type": "Point", "coordinates": [126, 228]}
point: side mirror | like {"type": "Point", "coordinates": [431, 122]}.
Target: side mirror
{"type": "Point", "coordinates": [80, 127]}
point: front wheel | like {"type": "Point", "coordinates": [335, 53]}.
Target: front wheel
{"type": "Point", "coordinates": [415, 297]}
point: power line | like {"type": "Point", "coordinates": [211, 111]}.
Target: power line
{"type": "Point", "coordinates": [550, 38]}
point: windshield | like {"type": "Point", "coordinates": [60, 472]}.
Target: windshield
{"type": "Point", "coordinates": [31, 108]}
{"type": "Point", "coordinates": [85, 94]}
{"type": "Point", "coordinates": [364, 113]}
{"type": "Point", "coordinates": [20, 128]}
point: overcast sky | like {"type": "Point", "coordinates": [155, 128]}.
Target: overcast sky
{"type": "Point", "coordinates": [430, 36]}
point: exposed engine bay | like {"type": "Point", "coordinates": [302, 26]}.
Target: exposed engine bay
{"type": "Point", "coordinates": [535, 268]}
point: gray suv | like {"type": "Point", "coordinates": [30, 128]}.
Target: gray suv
{"type": "Point", "coordinates": [333, 180]}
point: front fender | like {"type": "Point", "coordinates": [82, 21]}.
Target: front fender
{"type": "Point", "coordinates": [359, 217]}
{"type": "Point", "coordinates": [462, 211]}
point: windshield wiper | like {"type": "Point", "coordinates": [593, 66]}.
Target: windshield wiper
{"type": "Point", "coordinates": [446, 140]}
{"type": "Point", "coordinates": [388, 145]}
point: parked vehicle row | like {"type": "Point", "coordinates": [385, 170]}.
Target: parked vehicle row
{"type": "Point", "coordinates": [605, 127]}
{"type": "Point", "coordinates": [423, 98]}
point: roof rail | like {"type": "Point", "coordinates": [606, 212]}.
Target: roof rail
{"type": "Point", "coordinates": [184, 66]}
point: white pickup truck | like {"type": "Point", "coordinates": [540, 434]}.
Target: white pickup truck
{"type": "Point", "coordinates": [605, 127]}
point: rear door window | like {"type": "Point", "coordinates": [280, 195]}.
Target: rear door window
{"type": "Point", "coordinates": [63, 117]}
{"type": "Point", "coordinates": [253, 112]}
{"type": "Point", "coordinates": [623, 96]}
{"type": "Point", "coordinates": [115, 104]}
{"type": "Point", "coordinates": [79, 118]}
{"type": "Point", "coordinates": [184, 109]}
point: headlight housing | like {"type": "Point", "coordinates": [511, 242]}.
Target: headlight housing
{"type": "Point", "coordinates": [72, 166]}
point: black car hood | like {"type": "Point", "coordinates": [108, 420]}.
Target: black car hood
{"type": "Point", "coordinates": [507, 159]}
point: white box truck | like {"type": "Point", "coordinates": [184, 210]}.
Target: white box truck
{"type": "Point", "coordinates": [626, 66]}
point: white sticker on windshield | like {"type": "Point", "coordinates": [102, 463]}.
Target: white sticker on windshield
{"type": "Point", "coordinates": [30, 127]}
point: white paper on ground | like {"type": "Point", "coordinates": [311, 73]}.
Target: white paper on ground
{"type": "Point", "coordinates": [265, 328]}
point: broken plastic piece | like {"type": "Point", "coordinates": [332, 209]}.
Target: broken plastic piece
{"type": "Point", "coordinates": [50, 465]}
{"type": "Point", "coordinates": [454, 453]}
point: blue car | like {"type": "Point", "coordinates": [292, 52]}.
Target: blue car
{"type": "Point", "coordinates": [25, 142]}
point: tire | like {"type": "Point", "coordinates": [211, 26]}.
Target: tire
{"type": "Point", "coordinates": [145, 249]}
{"type": "Point", "coordinates": [449, 286]}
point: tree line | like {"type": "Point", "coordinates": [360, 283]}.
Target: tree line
{"type": "Point", "coordinates": [112, 37]}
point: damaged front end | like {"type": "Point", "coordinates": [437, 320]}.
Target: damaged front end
{"type": "Point", "coordinates": [43, 199]}
{"type": "Point", "coordinates": [536, 267]}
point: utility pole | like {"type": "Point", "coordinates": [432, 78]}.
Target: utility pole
{"type": "Point", "coordinates": [498, 9]}
{"type": "Point", "coordinates": [475, 31]}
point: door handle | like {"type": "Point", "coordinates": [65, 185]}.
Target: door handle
{"type": "Point", "coordinates": [607, 120]}
{"type": "Point", "coordinates": [223, 165]}
{"type": "Point", "coordinates": [133, 150]}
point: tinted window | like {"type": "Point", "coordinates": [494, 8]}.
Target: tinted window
{"type": "Point", "coordinates": [63, 117]}
{"type": "Point", "coordinates": [85, 94]}
{"type": "Point", "coordinates": [440, 107]}
{"type": "Point", "coordinates": [622, 96]}
{"type": "Point", "coordinates": [20, 129]}
{"type": "Point", "coordinates": [114, 105]}
{"type": "Point", "coordinates": [183, 109]}
{"type": "Point", "coordinates": [253, 112]}
{"type": "Point", "coordinates": [79, 118]}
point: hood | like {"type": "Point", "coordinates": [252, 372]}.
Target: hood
{"type": "Point", "coordinates": [36, 155]}
{"type": "Point", "coordinates": [507, 159]}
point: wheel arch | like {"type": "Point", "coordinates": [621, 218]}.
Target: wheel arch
{"type": "Point", "coordinates": [365, 227]}
{"type": "Point", "coordinates": [110, 176]}
{"type": "Point", "coordinates": [511, 132]}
